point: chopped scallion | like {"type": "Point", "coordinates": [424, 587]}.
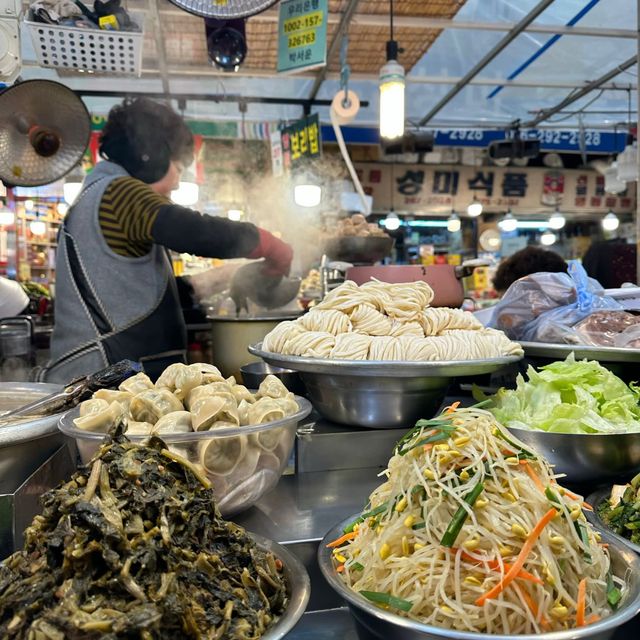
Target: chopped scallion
{"type": "Point", "coordinates": [387, 599]}
{"type": "Point", "coordinates": [459, 517]}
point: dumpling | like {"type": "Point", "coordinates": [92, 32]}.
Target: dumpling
{"type": "Point", "coordinates": [241, 393]}
{"type": "Point", "coordinates": [243, 412]}
{"type": "Point", "coordinates": [269, 438]}
{"type": "Point", "coordinates": [138, 428]}
{"type": "Point", "coordinates": [94, 405]}
{"type": "Point", "coordinates": [214, 388]}
{"type": "Point", "coordinates": [152, 404]}
{"type": "Point", "coordinates": [265, 410]}
{"type": "Point", "coordinates": [99, 417]}
{"type": "Point", "coordinates": [111, 395]}
{"type": "Point", "coordinates": [136, 384]}
{"type": "Point", "coordinates": [174, 422]}
{"type": "Point", "coordinates": [210, 373]}
{"type": "Point", "coordinates": [187, 379]}
{"type": "Point", "coordinates": [272, 387]}
{"type": "Point", "coordinates": [222, 455]}
{"type": "Point", "coordinates": [207, 409]}
{"type": "Point", "coordinates": [168, 377]}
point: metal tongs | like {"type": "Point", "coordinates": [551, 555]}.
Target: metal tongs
{"type": "Point", "coordinates": [76, 391]}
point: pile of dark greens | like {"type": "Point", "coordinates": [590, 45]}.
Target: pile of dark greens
{"type": "Point", "coordinates": [133, 547]}
{"type": "Point", "coordinates": [622, 512]}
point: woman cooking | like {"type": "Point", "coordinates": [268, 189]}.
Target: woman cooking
{"type": "Point", "coordinates": [116, 295]}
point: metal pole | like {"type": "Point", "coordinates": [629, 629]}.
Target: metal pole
{"type": "Point", "coordinates": [487, 58]}
{"type": "Point", "coordinates": [161, 50]}
{"type": "Point", "coordinates": [343, 26]}
{"type": "Point", "coordinates": [570, 99]}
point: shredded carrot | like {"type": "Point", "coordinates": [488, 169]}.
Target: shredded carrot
{"type": "Point", "coordinates": [594, 617]}
{"type": "Point", "coordinates": [604, 545]}
{"type": "Point", "coordinates": [544, 623]}
{"type": "Point", "coordinates": [494, 565]}
{"type": "Point", "coordinates": [587, 506]}
{"type": "Point", "coordinates": [453, 407]}
{"type": "Point", "coordinates": [516, 567]}
{"type": "Point", "coordinates": [427, 447]}
{"type": "Point", "coordinates": [342, 539]}
{"type": "Point", "coordinates": [581, 605]}
{"type": "Point", "coordinates": [575, 496]}
{"type": "Point", "coordinates": [533, 475]}
{"type": "Point", "coordinates": [340, 568]}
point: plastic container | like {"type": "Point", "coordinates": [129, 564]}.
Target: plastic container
{"type": "Point", "coordinates": [248, 463]}
{"type": "Point", "coordinates": [83, 49]}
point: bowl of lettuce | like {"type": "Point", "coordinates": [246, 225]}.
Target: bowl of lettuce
{"type": "Point", "coordinates": [577, 414]}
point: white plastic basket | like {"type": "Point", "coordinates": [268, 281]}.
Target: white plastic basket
{"type": "Point", "coordinates": [112, 52]}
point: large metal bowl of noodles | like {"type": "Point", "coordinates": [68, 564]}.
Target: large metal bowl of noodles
{"type": "Point", "coordinates": [377, 623]}
{"type": "Point", "coordinates": [298, 588]}
{"type": "Point", "coordinates": [243, 463]}
{"type": "Point", "coordinates": [378, 394]}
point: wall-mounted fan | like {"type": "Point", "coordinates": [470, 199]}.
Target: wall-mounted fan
{"type": "Point", "coordinates": [227, 10]}
{"type": "Point", "coordinates": [44, 132]}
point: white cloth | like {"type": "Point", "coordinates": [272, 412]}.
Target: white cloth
{"type": "Point", "coordinates": [13, 299]}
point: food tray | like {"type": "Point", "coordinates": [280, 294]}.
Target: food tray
{"type": "Point", "coordinates": [596, 499]}
{"type": "Point", "coordinates": [97, 50]}
{"type": "Point", "coordinates": [386, 368]}
{"type": "Point", "coordinates": [581, 351]}
{"type": "Point", "coordinates": [298, 588]}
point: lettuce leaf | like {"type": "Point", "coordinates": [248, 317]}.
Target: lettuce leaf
{"type": "Point", "coordinates": [569, 396]}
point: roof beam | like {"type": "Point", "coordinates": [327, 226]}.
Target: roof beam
{"type": "Point", "coordinates": [487, 58]}
{"type": "Point", "coordinates": [576, 95]}
{"type": "Point", "coordinates": [343, 27]}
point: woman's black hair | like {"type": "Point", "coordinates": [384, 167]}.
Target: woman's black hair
{"type": "Point", "coordinates": [144, 136]}
{"type": "Point", "coordinates": [525, 262]}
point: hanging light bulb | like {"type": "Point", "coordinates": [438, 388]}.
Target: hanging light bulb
{"type": "Point", "coordinates": [391, 90]}
{"type": "Point", "coordinates": [7, 217]}
{"type": "Point", "coordinates": [188, 191]}
{"type": "Point", "coordinates": [307, 195]}
{"type": "Point", "coordinates": [392, 221]}
{"type": "Point", "coordinates": [610, 222]}
{"type": "Point", "coordinates": [474, 209]}
{"type": "Point", "coordinates": [235, 214]}
{"type": "Point", "coordinates": [508, 223]}
{"type": "Point", "coordinates": [62, 208]}
{"type": "Point", "coordinates": [557, 220]}
{"type": "Point", "coordinates": [453, 223]}
{"type": "Point", "coordinates": [548, 238]}
{"type": "Point", "coordinates": [37, 227]}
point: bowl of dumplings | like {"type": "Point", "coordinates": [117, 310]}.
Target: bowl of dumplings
{"type": "Point", "coordinates": [240, 439]}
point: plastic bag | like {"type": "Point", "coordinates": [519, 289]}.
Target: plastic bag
{"type": "Point", "coordinates": [546, 307]}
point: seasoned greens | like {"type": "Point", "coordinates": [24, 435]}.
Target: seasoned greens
{"type": "Point", "coordinates": [133, 547]}
{"type": "Point", "coordinates": [622, 511]}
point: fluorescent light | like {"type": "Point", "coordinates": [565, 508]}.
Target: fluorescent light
{"type": "Point", "coordinates": [453, 223]}
{"type": "Point", "coordinates": [71, 190]}
{"type": "Point", "coordinates": [392, 222]}
{"type": "Point", "coordinates": [187, 194]}
{"type": "Point", "coordinates": [610, 222]}
{"type": "Point", "coordinates": [548, 238]}
{"type": "Point", "coordinates": [37, 227]}
{"type": "Point", "coordinates": [557, 220]}
{"type": "Point", "coordinates": [29, 205]}
{"type": "Point", "coordinates": [62, 208]}
{"type": "Point", "coordinates": [508, 223]}
{"type": "Point", "coordinates": [474, 209]}
{"type": "Point", "coordinates": [7, 217]}
{"type": "Point", "coordinates": [307, 195]}
{"type": "Point", "coordinates": [442, 224]}
{"type": "Point", "coordinates": [235, 214]}
{"type": "Point", "coordinates": [391, 100]}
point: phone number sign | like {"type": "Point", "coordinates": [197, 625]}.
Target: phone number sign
{"type": "Point", "coordinates": [302, 35]}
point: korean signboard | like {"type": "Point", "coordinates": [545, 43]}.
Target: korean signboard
{"type": "Point", "coordinates": [301, 141]}
{"type": "Point", "coordinates": [437, 189]}
{"type": "Point", "coordinates": [302, 34]}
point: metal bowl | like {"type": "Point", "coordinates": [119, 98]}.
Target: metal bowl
{"type": "Point", "coordinates": [367, 249]}
{"type": "Point", "coordinates": [255, 372]}
{"type": "Point", "coordinates": [591, 458]}
{"type": "Point", "coordinates": [378, 394]}
{"type": "Point", "coordinates": [298, 583]}
{"type": "Point", "coordinates": [595, 500]}
{"type": "Point", "coordinates": [253, 475]}
{"type": "Point", "coordinates": [389, 626]}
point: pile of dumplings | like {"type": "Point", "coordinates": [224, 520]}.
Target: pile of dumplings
{"type": "Point", "coordinates": [192, 398]}
{"type": "Point", "coordinates": [382, 321]}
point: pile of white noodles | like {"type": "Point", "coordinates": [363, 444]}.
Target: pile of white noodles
{"type": "Point", "coordinates": [396, 550]}
{"type": "Point", "coordinates": [382, 321]}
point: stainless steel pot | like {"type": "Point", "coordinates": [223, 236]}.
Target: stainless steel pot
{"type": "Point", "coordinates": [25, 445]}
{"type": "Point", "coordinates": [232, 336]}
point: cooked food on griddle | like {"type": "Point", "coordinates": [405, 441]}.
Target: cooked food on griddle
{"type": "Point", "coordinates": [134, 547]}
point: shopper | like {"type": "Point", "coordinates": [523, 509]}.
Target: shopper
{"type": "Point", "coordinates": [525, 262]}
{"type": "Point", "coordinates": [116, 295]}
{"type": "Point", "coordinates": [611, 262]}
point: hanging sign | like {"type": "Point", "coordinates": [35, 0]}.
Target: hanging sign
{"type": "Point", "coordinates": [277, 164]}
{"type": "Point", "coordinates": [302, 34]}
{"type": "Point", "coordinates": [438, 189]}
{"type": "Point", "coordinates": [301, 141]}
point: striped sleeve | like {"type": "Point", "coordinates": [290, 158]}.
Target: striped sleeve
{"type": "Point", "coordinates": [128, 211]}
